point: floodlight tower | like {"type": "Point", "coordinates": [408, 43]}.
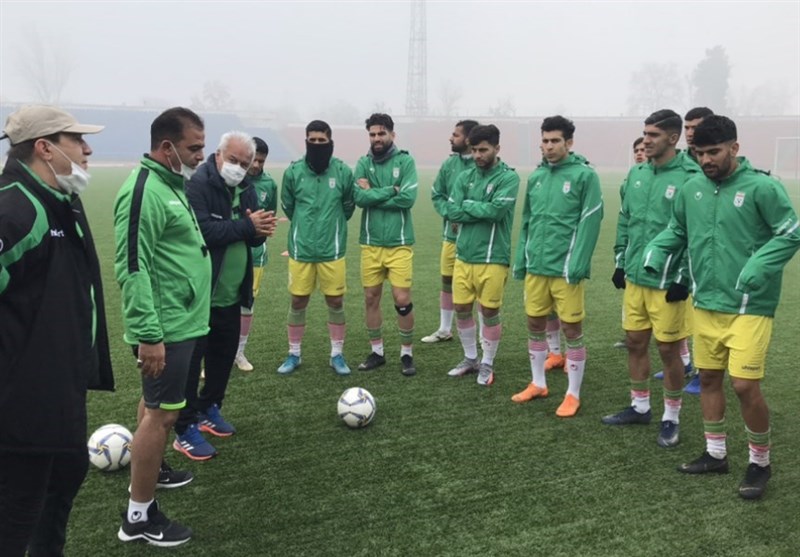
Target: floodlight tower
{"type": "Point", "coordinates": [417, 81]}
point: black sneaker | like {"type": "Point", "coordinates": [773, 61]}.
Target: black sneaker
{"type": "Point", "coordinates": [373, 360]}
{"type": "Point", "coordinates": [669, 436]}
{"type": "Point", "coordinates": [627, 417]}
{"type": "Point", "coordinates": [705, 464]}
{"type": "Point", "coordinates": [169, 478]}
{"type": "Point", "coordinates": [408, 365]}
{"type": "Point", "coordinates": [755, 481]}
{"type": "Point", "coordinates": [156, 530]}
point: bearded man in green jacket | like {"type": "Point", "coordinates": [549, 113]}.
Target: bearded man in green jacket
{"type": "Point", "coordinates": [740, 230]}
{"type": "Point", "coordinates": [482, 204]}
{"type": "Point", "coordinates": [386, 189]}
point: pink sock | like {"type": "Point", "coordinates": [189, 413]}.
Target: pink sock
{"type": "Point", "coordinates": [296, 333]}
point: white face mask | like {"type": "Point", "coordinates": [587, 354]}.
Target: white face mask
{"type": "Point", "coordinates": [185, 170]}
{"type": "Point", "coordinates": [233, 174]}
{"type": "Point", "coordinates": [76, 181]}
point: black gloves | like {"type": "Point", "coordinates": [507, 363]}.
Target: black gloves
{"type": "Point", "coordinates": [677, 292]}
{"type": "Point", "coordinates": [619, 278]}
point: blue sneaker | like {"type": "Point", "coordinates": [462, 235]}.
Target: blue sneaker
{"type": "Point", "coordinates": [693, 387]}
{"type": "Point", "coordinates": [212, 422]}
{"type": "Point", "coordinates": [627, 417]}
{"type": "Point", "coordinates": [193, 445]}
{"type": "Point", "coordinates": [668, 436]}
{"type": "Point", "coordinates": [290, 364]}
{"type": "Point", "coordinates": [687, 372]}
{"type": "Point", "coordinates": [338, 365]}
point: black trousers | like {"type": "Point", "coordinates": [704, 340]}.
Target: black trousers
{"type": "Point", "coordinates": [218, 350]}
{"type": "Point", "coordinates": [36, 494]}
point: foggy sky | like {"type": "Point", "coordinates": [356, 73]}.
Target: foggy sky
{"type": "Point", "coordinates": [569, 57]}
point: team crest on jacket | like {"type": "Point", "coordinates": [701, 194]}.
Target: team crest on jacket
{"type": "Point", "coordinates": [396, 172]}
{"type": "Point", "coordinates": [331, 183]}
{"type": "Point", "coordinates": [738, 200]}
{"type": "Point", "coordinates": [670, 193]}
{"type": "Point", "coordinates": [489, 188]}
{"type": "Point", "coordinates": [698, 195]}
{"type": "Point", "coordinates": [566, 188]}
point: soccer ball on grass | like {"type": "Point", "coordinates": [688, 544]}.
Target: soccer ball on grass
{"type": "Point", "coordinates": [356, 407]}
{"type": "Point", "coordinates": [110, 447]}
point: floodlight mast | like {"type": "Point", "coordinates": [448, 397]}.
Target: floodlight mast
{"type": "Point", "coordinates": [417, 81]}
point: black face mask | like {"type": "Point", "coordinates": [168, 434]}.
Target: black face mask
{"type": "Point", "coordinates": [318, 156]}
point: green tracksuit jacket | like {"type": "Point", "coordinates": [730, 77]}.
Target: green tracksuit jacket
{"type": "Point", "coordinates": [561, 217]}
{"type": "Point", "coordinates": [386, 215]}
{"type": "Point", "coordinates": [162, 264]}
{"type": "Point", "coordinates": [319, 206]}
{"type": "Point", "coordinates": [482, 203]}
{"type": "Point", "coordinates": [647, 196]}
{"type": "Point", "coordinates": [443, 185]}
{"type": "Point", "coordinates": [267, 194]}
{"type": "Point", "coordinates": [739, 232]}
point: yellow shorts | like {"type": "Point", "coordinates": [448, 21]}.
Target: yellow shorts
{"type": "Point", "coordinates": [378, 264]}
{"type": "Point", "coordinates": [545, 294]}
{"type": "Point", "coordinates": [646, 308]}
{"type": "Point", "coordinates": [258, 273]}
{"type": "Point", "coordinates": [737, 343]}
{"type": "Point", "coordinates": [486, 282]}
{"type": "Point", "coordinates": [448, 258]}
{"type": "Point", "coordinates": [331, 275]}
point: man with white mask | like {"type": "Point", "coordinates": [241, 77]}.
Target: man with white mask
{"type": "Point", "coordinates": [53, 337]}
{"type": "Point", "coordinates": [231, 222]}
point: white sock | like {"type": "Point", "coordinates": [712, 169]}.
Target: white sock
{"type": "Point", "coordinates": [377, 346]}
{"type": "Point", "coordinates": [537, 354]}
{"type": "Point", "coordinates": [672, 410]}
{"type": "Point", "coordinates": [242, 344]}
{"type": "Point", "coordinates": [575, 376]}
{"type": "Point", "coordinates": [336, 347]}
{"type": "Point", "coordinates": [641, 403]}
{"type": "Point", "coordinates": [716, 446]}
{"type": "Point", "coordinates": [468, 342]}
{"type": "Point", "coordinates": [445, 320]}
{"type": "Point", "coordinates": [406, 350]}
{"type": "Point", "coordinates": [137, 512]}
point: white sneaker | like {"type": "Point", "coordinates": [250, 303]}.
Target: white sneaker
{"type": "Point", "coordinates": [242, 363]}
{"type": "Point", "coordinates": [464, 367]}
{"type": "Point", "coordinates": [438, 336]}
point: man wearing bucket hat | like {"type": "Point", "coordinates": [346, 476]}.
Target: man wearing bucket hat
{"type": "Point", "coordinates": [53, 342]}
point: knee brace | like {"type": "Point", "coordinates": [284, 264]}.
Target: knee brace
{"type": "Point", "coordinates": [404, 310]}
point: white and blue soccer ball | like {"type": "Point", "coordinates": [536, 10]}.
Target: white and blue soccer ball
{"type": "Point", "coordinates": [356, 407]}
{"type": "Point", "coordinates": [110, 447]}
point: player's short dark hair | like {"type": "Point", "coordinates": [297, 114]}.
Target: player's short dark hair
{"type": "Point", "coordinates": [23, 151]}
{"type": "Point", "coordinates": [665, 119]}
{"type": "Point", "coordinates": [466, 126]}
{"type": "Point", "coordinates": [169, 125]}
{"type": "Point", "coordinates": [261, 146]}
{"type": "Point", "coordinates": [319, 126]}
{"type": "Point", "coordinates": [380, 119]}
{"type": "Point", "coordinates": [636, 142]}
{"type": "Point", "coordinates": [714, 130]}
{"type": "Point", "coordinates": [488, 133]}
{"type": "Point", "coordinates": [698, 112]}
{"type": "Point", "coordinates": [559, 123]}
